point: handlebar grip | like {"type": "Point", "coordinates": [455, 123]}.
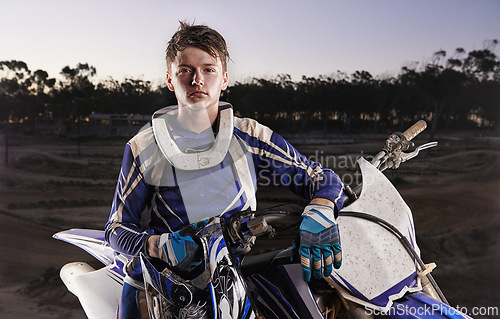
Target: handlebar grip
{"type": "Point", "coordinates": [414, 130]}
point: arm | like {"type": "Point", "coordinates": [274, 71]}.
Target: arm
{"type": "Point", "coordinates": [319, 247]}
{"type": "Point", "coordinates": [280, 163]}
{"type": "Point", "coordinates": [123, 230]}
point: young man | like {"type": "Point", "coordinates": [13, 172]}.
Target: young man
{"type": "Point", "coordinates": [196, 160]}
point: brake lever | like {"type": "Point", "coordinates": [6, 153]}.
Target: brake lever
{"type": "Point", "coordinates": [408, 156]}
{"type": "Point", "coordinates": [395, 158]}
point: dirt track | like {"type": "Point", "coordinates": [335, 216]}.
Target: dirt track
{"type": "Point", "coordinates": [47, 187]}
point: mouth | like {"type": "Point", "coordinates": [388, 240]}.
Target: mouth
{"type": "Point", "coordinates": [198, 94]}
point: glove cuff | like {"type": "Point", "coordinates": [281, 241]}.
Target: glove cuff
{"type": "Point", "coordinates": [313, 209]}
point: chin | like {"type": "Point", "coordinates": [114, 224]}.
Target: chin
{"type": "Point", "coordinates": [198, 106]}
{"type": "Point", "coordinates": [201, 105]}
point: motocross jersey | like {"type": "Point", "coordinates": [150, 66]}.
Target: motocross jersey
{"type": "Point", "coordinates": [153, 197]}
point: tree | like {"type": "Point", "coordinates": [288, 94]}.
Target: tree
{"type": "Point", "coordinates": [483, 64]}
{"type": "Point", "coordinates": [74, 97]}
{"type": "Point", "coordinates": [41, 82]}
{"type": "Point", "coordinates": [17, 104]}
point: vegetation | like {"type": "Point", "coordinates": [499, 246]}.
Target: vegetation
{"type": "Point", "coordinates": [452, 93]}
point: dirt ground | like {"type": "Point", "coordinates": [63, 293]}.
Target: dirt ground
{"type": "Point", "coordinates": [50, 184]}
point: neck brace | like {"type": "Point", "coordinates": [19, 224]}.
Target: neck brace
{"type": "Point", "coordinates": [195, 160]}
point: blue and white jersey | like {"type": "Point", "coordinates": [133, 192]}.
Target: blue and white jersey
{"type": "Point", "coordinates": [153, 197]}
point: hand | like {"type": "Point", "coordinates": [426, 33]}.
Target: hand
{"type": "Point", "coordinates": [178, 251]}
{"type": "Point", "coordinates": [319, 242]}
{"type": "Point", "coordinates": [181, 250]}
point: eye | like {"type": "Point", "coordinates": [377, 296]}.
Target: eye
{"type": "Point", "coordinates": [184, 70]}
{"type": "Point", "coordinates": [210, 70]}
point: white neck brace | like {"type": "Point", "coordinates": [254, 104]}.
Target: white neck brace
{"type": "Point", "coordinates": [197, 160]}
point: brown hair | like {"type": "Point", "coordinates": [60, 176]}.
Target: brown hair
{"type": "Point", "coordinates": [198, 36]}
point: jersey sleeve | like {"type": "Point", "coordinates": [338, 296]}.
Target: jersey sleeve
{"type": "Point", "coordinates": [279, 163]}
{"type": "Point", "coordinates": [123, 230]}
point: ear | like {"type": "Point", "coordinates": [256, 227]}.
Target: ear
{"type": "Point", "coordinates": [169, 83]}
{"type": "Point", "coordinates": [225, 81]}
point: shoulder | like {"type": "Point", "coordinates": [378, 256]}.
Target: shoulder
{"type": "Point", "coordinates": [142, 140]}
{"type": "Point", "coordinates": [253, 129]}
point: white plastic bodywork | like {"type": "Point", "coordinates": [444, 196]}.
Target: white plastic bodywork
{"type": "Point", "coordinates": [90, 240]}
{"type": "Point", "coordinates": [373, 259]}
{"type": "Point", "coordinates": [99, 291]}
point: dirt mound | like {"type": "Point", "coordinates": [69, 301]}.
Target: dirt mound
{"type": "Point", "coordinates": [479, 165]}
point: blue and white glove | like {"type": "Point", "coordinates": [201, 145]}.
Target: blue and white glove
{"type": "Point", "coordinates": [319, 242]}
{"type": "Point", "coordinates": [181, 250]}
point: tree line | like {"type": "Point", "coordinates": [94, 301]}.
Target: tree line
{"type": "Point", "coordinates": [456, 92]}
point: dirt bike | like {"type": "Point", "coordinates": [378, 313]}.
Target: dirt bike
{"type": "Point", "coordinates": [382, 274]}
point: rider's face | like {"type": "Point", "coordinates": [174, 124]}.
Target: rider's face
{"type": "Point", "coordinates": [197, 78]}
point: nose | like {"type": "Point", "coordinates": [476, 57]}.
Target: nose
{"type": "Point", "coordinates": [197, 79]}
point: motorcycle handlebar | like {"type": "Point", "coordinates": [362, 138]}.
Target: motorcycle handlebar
{"type": "Point", "coordinates": [414, 130]}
